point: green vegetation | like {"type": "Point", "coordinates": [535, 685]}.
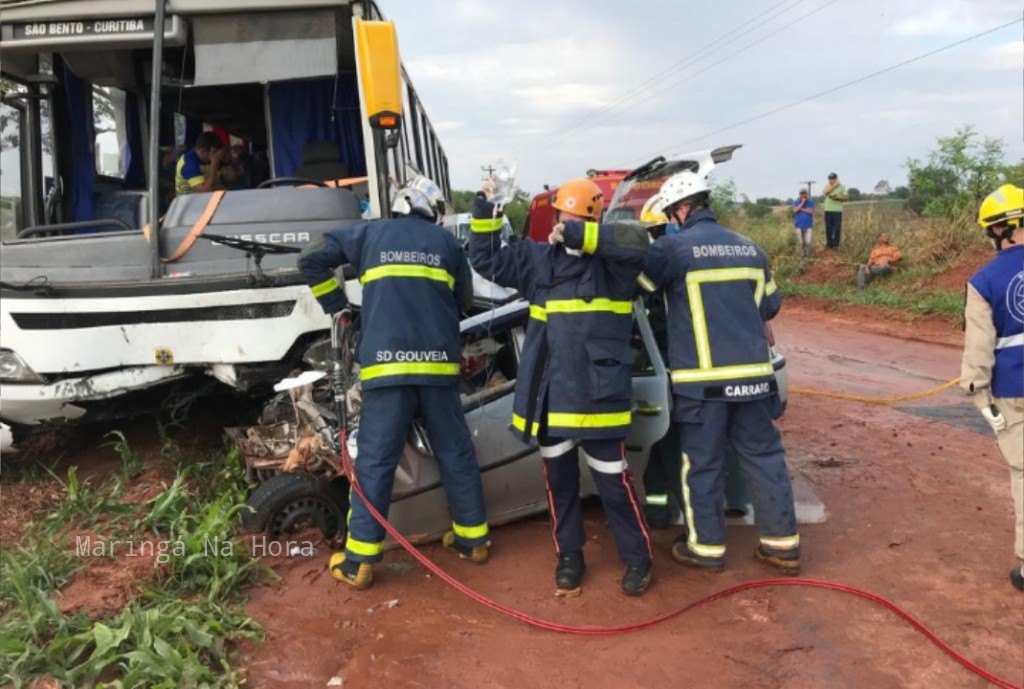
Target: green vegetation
{"type": "Point", "coordinates": [179, 631]}
{"type": "Point", "coordinates": [940, 303]}
{"type": "Point", "coordinates": [932, 221]}
{"type": "Point", "coordinates": [516, 211]}
{"type": "Point", "coordinates": [929, 245]}
{"type": "Point", "coordinates": [959, 173]}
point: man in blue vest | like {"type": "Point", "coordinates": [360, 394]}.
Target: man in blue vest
{"type": "Point", "coordinates": [415, 284]}
{"type": "Point", "coordinates": [574, 386]}
{"type": "Point", "coordinates": [993, 363]}
{"type": "Point", "coordinates": [720, 291]}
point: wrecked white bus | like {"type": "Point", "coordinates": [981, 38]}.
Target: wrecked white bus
{"type": "Point", "coordinates": [111, 282]}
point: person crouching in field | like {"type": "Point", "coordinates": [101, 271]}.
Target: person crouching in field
{"type": "Point", "coordinates": [882, 261]}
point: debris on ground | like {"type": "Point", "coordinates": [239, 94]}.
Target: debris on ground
{"type": "Point", "coordinates": [386, 605]}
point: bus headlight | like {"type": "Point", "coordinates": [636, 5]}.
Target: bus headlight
{"type": "Point", "coordinates": [13, 369]}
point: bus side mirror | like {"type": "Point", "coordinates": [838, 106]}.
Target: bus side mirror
{"type": "Point", "coordinates": [380, 73]}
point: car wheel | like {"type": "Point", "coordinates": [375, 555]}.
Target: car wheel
{"type": "Point", "coordinates": [288, 502]}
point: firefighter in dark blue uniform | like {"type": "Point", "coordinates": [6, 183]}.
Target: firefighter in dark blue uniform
{"type": "Point", "coordinates": [720, 291]}
{"type": "Point", "coordinates": [574, 385]}
{"type": "Point", "coordinates": [415, 283]}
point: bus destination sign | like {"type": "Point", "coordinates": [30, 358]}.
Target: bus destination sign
{"type": "Point", "coordinates": [83, 27]}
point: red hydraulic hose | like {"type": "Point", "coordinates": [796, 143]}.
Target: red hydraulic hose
{"type": "Point", "coordinates": [624, 629]}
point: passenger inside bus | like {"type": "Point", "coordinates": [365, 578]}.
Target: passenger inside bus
{"type": "Point", "coordinates": [206, 167]}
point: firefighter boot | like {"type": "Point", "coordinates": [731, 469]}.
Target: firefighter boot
{"type": "Point", "coordinates": [1017, 578]}
{"type": "Point", "coordinates": [636, 579]}
{"type": "Point", "coordinates": [681, 554]}
{"type": "Point", "coordinates": [475, 553]}
{"type": "Point", "coordinates": [569, 574]}
{"type": "Point", "coordinates": [358, 575]}
{"type": "Point", "coordinates": [786, 561]}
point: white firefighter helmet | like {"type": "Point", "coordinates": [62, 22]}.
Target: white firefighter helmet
{"type": "Point", "coordinates": [681, 186]}
{"type": "Point", "coordinates": [419, 195]}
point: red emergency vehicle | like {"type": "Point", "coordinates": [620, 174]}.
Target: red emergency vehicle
{"type": "Point", "coordinates": [541, 217]}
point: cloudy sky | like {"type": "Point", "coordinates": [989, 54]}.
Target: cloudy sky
{"type": "Point", "coordinates": [561, 87]}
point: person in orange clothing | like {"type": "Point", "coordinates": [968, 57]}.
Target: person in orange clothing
{"type": "Point", "coordinates": [882, 261]}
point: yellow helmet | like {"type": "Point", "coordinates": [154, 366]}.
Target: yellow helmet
{"type": "Point", "coordinates": [653, 212]}
{"type": "Point", "coordinates": [1004, 205]}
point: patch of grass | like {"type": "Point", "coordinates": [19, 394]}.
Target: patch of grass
{"type": "Point", "coordinates": [925, 303]}
{"type": "Point", "coordinates": [929, 246]}
{"type": "Point", "coordinates": [179, 632]}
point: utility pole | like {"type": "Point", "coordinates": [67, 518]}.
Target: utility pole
{"type": "Point", "coordinates": [809, 183]}
{"type": "Point", "coordinates": [489, 169]}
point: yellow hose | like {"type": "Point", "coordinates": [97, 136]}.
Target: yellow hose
{"type": "Point", "coordinates": [875, 400]}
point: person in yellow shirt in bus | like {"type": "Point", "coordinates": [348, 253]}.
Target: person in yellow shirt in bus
{"type": "Point", "coordinates": [199, 169]}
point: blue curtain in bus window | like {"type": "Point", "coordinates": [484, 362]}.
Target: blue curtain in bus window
{"type": "Point", "coordinates": [316, 110]}
{"type": "Point", "coordinates": [135, 175]}
{"type": "Point", "coordinates": [83, 166]}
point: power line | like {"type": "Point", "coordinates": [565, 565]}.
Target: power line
{"type": "Point", "coordinates": [847, 84]}
{"type": "Point", "coordinates": [696, 74]}
{"type": "Point", "coordinates": [691, 58]}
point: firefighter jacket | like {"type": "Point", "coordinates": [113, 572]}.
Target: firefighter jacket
{"type": "Point", "coordinates": [994, 338]}
{"type": "Point", "coordinates": [576, 361]}
{"type": "Point", "coordinates": [719, 291]}
{"type": "Point", "coordinates": [415, 281]}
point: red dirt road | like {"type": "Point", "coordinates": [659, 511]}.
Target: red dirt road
{"type": "Point", "coordinates": [919, 512]}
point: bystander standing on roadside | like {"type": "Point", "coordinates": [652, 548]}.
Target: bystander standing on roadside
{"type": "Point", "coordinates": [803, 223]}
{"type": "Point", "coordinates": [835, 196]}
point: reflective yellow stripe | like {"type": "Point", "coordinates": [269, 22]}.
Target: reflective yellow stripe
{"type": "Point", "coordinates": [470, 531]}
{"type": "Point", "coordinates": [706, 550]}
{"type": "Point", "coordinates": [646, 283]}
{"type": "Point", "coordinates": [407, 270]}
{"type": "Point", "coordinates": [590, 235]}
{"type": "Point", "coordinates": [519, 423]}
{"type": "Point", "coordinates": [691, 528]}
{"type": "Point", "coordinates": [409, 369]}
{"type": "Point", "coordinates": [700, 325]}
{"type": "Point", "coordinates": [538, 312]}
{"type": "Point", "coordinates": [660, 499]}
{"type": "Point", "coordinates": [771, 288]}
{"type": "Point", "coordinates": [694, 280]}
{"type": "Point", "coordinates": [363, 548]}
{"type": "Point", "coordinates": [583, 306]}
{"type": "Point", "coordinates": [485, 224]}
{"type": "Point", "coordinates": [328, 285]}
{"type": "Point", "coordinates": [781, 543]}
{"type": "Point", "coordinates": [588, 420]}
{"type": "Point", "coordinates": [697, 375]}
{"type": "Point", "coordinates": [725, 275]}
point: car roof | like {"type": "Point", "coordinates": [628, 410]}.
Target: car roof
{"type": "Point", "coordinates": [500, 318]}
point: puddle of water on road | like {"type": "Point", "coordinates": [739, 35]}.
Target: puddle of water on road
{"type": "Point", "coordinates": [963, 416]}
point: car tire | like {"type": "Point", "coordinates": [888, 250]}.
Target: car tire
{"type": "Point", "coordinates": [288, 502]}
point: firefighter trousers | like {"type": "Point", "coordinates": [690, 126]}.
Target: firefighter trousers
{"type": "Point", "coordinates": [385, 419]}
{"type": "Point", "coordinates": [661, 478]}
{"type": "Point", "coordinates": [614, 481]}
{"type": "Point", "coordinates": [706, 427]}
